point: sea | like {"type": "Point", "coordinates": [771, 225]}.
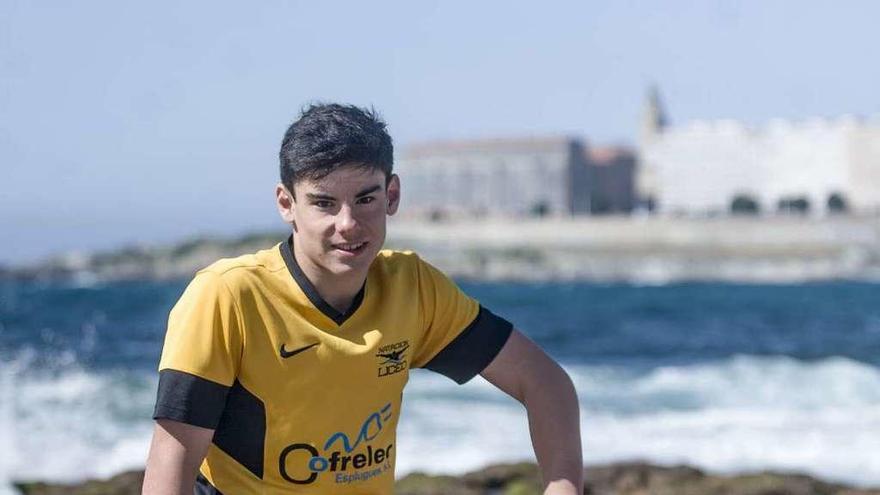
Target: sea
{"type": "Point", "coordinates": [727, 378]}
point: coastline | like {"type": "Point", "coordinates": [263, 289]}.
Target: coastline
{"type": "Point", "coordinates": [652, 250]}
{"type": "Point", "coordinates": [620, 478]}
{"type": "Point", "coordinates": [640, 250]}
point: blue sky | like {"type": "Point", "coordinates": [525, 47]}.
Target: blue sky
{"type": "Point", "coordinates": [145, 122]}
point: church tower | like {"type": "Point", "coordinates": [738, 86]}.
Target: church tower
{"type": "Point", "coordinates": [653, 123]}
{"type": "Point", "coordinates": [653, 117]}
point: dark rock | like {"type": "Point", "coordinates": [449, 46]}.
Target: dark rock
{"type": "Point", "coordinates": [635, 477]}
{"type": "Point", "coordinates": [624, 478]}
{"type": "Point", "coordinates": [128, 483]}
{"type": "Point", "coordinates": [639, 478]}
{"type": "Point", "coordinates": [500, 475]}
{"type": "Point", "coordinates": [425, 484]}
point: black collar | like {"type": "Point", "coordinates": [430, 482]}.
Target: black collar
{"type": "Point", "coordinates": [312, 293]}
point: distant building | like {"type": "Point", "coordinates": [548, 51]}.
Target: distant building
{"type": "Point", "coordinates": [816, 166]}
{"type": "Point", "coordinates": [613, 171]}
{"type": "Point", "coordinates": [509, 177]}
{"type": "Point", "coordinates": [558, 176]}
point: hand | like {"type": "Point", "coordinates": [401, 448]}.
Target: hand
{"type": "Point", "coordinates": [561, 487]}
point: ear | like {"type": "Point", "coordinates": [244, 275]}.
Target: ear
{"type": "Point", "coordinates": [393, 194]}
{"type": "Point", "coordinates": [286, 204]}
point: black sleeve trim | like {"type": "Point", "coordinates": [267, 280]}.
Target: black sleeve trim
{"type": "Point", "coordinates": [204, 487]}
{"type": "Point", "coordinates": [189, 399]}
{"type": "Point", "coordinates": [474, 348]}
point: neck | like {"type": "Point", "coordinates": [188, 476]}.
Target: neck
{"type": "Point", "coordinates": [338, 291]}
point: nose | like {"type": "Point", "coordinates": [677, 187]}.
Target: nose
{"type": "Point", "coordinates": [345, 220]}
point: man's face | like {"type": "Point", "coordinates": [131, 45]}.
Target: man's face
{"type": "Point", "coordinates": [340, 220]}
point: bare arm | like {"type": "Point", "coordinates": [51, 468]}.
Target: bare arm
{"type": "Point", "coordinates": [176, 452]}
{"type": "Point", "coordinates": [527, 374]}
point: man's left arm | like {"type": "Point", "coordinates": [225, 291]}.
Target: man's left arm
{"type": "Point", "coordinates": [523, 371]}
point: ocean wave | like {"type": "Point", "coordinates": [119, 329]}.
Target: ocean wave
{"type": "Point", "coordinates": [67, 423]}
{"type": "Point", "coordinates": [740, 413]}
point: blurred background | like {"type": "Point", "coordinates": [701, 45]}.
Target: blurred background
{"type": "Point", "coordinates": [678, 200]}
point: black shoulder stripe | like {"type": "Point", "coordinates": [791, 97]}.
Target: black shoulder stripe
{"type": "Point", "coordinates": [189, 399]}
{"type": "Point", "coordinates": [241, 432]}
{"type": "Point", "coordinates": [474, 348]}
{"type": "Point", "coordinates": [204, 487]}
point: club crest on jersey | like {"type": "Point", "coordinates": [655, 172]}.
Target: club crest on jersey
{"type": "Point", "coordinates": [392, 358]}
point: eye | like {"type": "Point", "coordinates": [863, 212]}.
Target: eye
{"type": "Point", "coordinates": [366, 200]}
{"type": "Point", "coordinates": [322, 203]}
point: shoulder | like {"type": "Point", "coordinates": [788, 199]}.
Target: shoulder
{"type": "Point", "coordinates": [394, 263]}
{"type": "Point", "coordinates": [390, 259]}
{"type": "Point", "coordinates": [407, 267]}
{"type": "Point", "coordinates": [243, 270]}
{"type": "Point", "coordinates": [397, 268]}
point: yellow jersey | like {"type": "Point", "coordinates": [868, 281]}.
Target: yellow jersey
{"type": "Point", "coordinates": [302, 398]}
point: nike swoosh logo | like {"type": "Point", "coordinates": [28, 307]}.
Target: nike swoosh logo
{"type": "Point", "coordinates": [286, 354]}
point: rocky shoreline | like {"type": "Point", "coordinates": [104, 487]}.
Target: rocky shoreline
{"type": "Point", "coordinates": [623, 478]}
{"type": "Point", "coordinates": [648, 250]}
{"type": "Point", "coordinates": [651, 250]}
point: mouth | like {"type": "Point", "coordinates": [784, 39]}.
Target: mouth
{"type": "Point", "coordinates": [350, 248]}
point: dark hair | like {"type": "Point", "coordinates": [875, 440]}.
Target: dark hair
{"type": "Point", "coordinates": [329, 136]}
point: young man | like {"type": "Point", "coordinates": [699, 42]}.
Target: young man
{"type": "Point", "coordinates": [283, 371]}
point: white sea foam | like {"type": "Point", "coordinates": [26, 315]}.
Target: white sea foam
{"type": "Point", "coordinates": [70, 424]}
{"type": "Point", "coordinates": [742, 413]}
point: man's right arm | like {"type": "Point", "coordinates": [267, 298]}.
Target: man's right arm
{"type": "Point", "coordinates": [176, 452]}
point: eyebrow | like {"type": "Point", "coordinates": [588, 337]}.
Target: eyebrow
{"type": "Point", "coordinates": [369, 190]}
{"type": "Point", "coordinates": [314, 196]}
{"type": "Point", "coordinates": [327, 197]}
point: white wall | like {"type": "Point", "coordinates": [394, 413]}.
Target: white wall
{"type": "Point", "coordinates": [700, 167]}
